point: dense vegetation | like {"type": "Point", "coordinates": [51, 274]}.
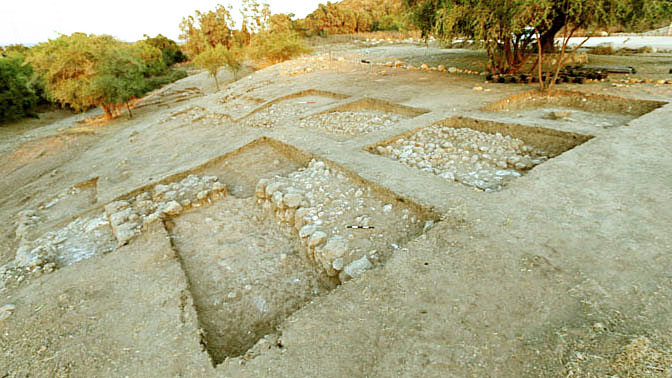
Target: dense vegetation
{"type": "Point", "coordinates": [512, 31]}
{"type": "Point", "coordinates": [81, 71]}
{"type": "Point", "coordinates": [212, 40]}
{"type": "Point", "coordinates": [356, 16]}
{"type": "Point", "coordinates": [17, 95]}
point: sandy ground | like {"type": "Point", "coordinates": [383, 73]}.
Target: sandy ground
{"type": "Point", "coordinates": [564, 272]}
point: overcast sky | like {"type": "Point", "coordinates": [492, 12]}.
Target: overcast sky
{"type": "Point", "coordinates": [31, 21]}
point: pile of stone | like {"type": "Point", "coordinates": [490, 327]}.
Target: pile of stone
{"type": "Point", "coordinates": [482, 160]}
{"type": "Point", "coordinates": [351, 122]}
{"type": "Point", "coordinates": [127, 216]}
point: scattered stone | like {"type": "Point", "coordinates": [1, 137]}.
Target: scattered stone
{"type": "Point", "coordinates": [172, 208]}
{"type": "Point", "coordinates": [6, 311]}
{"type": "Point", "coordinates": [351, 122]}
{"type": "Point", "coordinates": [317, 239]}
{"type": "Point", "coordinates": [355, 269]}
{"type": "Point", "coordinates": [469, 156]}
{"type": "Point", "coordinates": [293, 199]}
{"type": "Point", "coordinates": [306, 231]}
{"type": "Point", "coordinates": [336, 247]}
{"type": "Point", "coordinates": [599, 327]}
{"type": "Point", "coordinates": [556, 115]}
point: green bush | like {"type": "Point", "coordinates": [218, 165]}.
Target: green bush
{"type": "Point", "coordinates": [170, 51]}
{"type": "Point", "coordinates": [277, 47]}
{"type": "Point", "coordinates": [17, 97]}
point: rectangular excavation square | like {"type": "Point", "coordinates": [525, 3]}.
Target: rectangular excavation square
{"type": "Point", "coordinates": [259, 232]}
{"type": "Point", "coordinates": [253, 259]}
{"type": "Point", "coordinates": [482, 154]}
{"type": "Point", "coordinates": [287, 108]}
{"type": "Point", "coordinates": [569, 107]}
{"type": "Point", "coordinates": [360, 117]}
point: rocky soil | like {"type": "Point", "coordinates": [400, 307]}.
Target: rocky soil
{"type": "Point", "coordinates": [474, 158]}
{"type": "Point", "coordinates": [351, 122]}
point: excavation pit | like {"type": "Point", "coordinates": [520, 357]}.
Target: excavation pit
{"type": "Point", "coordinates": [253, 259]}
{"type": "Point", "coordinates": [288, 108]}
{"type": "Point", "coordinates": [360, 117]}
{"type": "Point", "coordinates": [482, 154]}
{"type": "Point", "coordinates": [566, 108]}
{"type": "Point", "coordinates": [260, 232]}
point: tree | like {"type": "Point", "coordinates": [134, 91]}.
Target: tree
{"type": "Point", "coordinates": [276, 39]}
{"type": "Point", "coordinates": [82, 71]}
{"type": "Point", "coordinates": [17, 97]}
{"type": "Point", "coordinates": [170, 51]}
{"type": "Point", "coordinates": [207, 29]}
{"type": "Point", "coordinates": [212, 58]}
{"type": "Point", "coordinates": [504, 27]}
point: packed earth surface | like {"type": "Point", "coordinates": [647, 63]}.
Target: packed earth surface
{"type": "Point", "coordinates": [371, 210]}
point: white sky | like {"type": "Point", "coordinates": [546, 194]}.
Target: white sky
{"type": "Point", "coordinates": [31, 21]}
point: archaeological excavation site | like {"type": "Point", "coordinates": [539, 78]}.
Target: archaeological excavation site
{"type": "Point", "coordinates": [332, 216]}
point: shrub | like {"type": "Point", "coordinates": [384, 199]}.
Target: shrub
{"type": "Point", "coordinates": [212, 58]}
{"type": "Point", "coordinates": [170, 51]}
{"type": "Point", "coordinates": [17, 97]}
{"type": "Point", "coordinates": [277, 47]}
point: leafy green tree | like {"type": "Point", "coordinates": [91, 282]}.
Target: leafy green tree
{"type": "Point", "coordinates": [17, 97]}
{"type": "Point", "coordinates": [207, 29]}
{"type": "Point", "coordinates": [354, 16]}
{"type": "Point", "coordinates": [277, 39]}
{"type": "Point", "coordinates": [170, 51]}
{"type": "Point", "coordinates": [277, 47]}
{"type": "Point", "coordinates": [213, 58]}
{"type": "Point", "coordinates": [504, 27]}
{"type": "Point", "coordinates": [15, 48]}
{"type": "Point", "coordinates": [83, 71]}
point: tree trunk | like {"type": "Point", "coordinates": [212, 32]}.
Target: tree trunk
{"type": "Point", "coordinates": [130, 115]}
{"type": "Point", "coordinates": [216, 82]}
{"type": "Point", "coordinates": [547, 38]}
{"type": "Point", "coordinates": [107, 108]}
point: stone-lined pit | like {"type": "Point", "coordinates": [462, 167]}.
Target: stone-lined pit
{"type": "Point", "coordinates": [287, 108]}
{"type": "Point", "coordinates": [569, 107]}
{"type": "Point", "coordinates": [482, 154]}
{"type": "Point", "coordinates": [254, 259]}
{"type": "Point", "coordinates": [360, 117]}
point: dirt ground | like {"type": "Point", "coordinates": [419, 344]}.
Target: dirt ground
{"type": "Point", "coordinates": [566, 271]}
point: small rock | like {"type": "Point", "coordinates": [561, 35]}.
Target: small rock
{"type": "Point", "coordinates": [203, 194]}
{"type": "Point", "coordinates": [172, 208]}
{"type": "Point", "coordinates": [337, 264]}
{"type": "Point", "coordinates": [317, 239]}
{"type": "Point", "coordinates": [307, 230]}
{"type": "Point", "coordinates": [6, 311]}
{"type": "Point", "coordinates": [293, 199]}
{"type": "Point", "coordinates": [452, 69]}
{"type": "Point", "coordinates": [558, 115]}
{"type": "Point", "coordinates": [478, 89]}
{"type": "Point", "coordinates": [599, 327]}
{"type": "Point", "coordinates": [336, 247]}
{"type": "Point", "coordinates": [356, 268]}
